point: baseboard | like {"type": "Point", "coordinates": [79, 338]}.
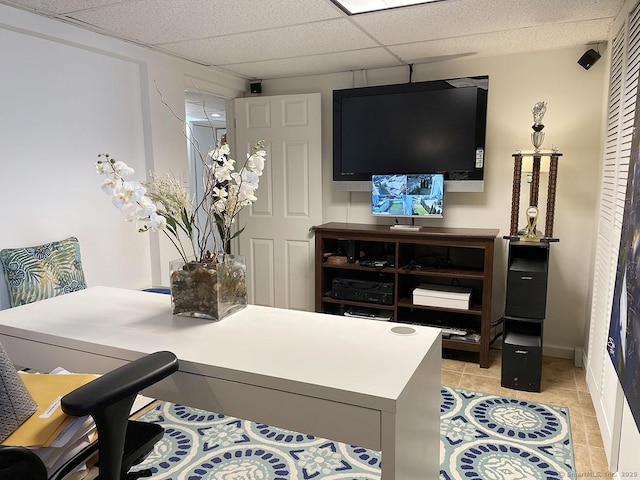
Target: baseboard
{"type": "Point", "coordinates": [578, 357]}
{"type": "Point", "coordinates": [558, 351]}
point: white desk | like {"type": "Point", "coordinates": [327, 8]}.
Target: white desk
{"type": "Point", "coordinates": [347, 379]}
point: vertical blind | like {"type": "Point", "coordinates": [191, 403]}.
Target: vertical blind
{"type": "Point", "coordinates": [623, 86]}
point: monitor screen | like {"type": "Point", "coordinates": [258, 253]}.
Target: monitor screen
{"type": "Point", "coordinates": [417, 196]}
{"type": "Point", "coordinates": [436, 126]}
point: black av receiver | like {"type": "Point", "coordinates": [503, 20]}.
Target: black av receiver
{"type": "Point", "coordinates": [362, 290]}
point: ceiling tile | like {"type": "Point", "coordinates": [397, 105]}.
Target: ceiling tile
{"type": "Point", "coordinates": [200, 106]}
{"type": "Point", "coordinates": [63, 6]}
{"type": "Point", "coordinates": [297, 41]}
{"type": "Point", "coordinates": [506, 42]}
{"type": "Point", "coordinates": [163, 21]}
{"type": "Point", "coordinates": [255, 38]}
{"type": "Point", "coordinates": [460, 17]}
{"type": "Point", "coordinates": [326, 63]}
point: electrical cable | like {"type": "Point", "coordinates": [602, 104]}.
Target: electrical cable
{"type": "Point", "coordinates": [497, 335]}
{"type": "Point", "coordinates": [494, 324]}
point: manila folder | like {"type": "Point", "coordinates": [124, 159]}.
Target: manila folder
{"type": "Point", "coordinates": [49, 420]}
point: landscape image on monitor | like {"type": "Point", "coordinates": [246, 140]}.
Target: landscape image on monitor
{"type": "Point", "coordinates": [407, 195]}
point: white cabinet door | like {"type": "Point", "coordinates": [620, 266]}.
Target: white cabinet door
{"type": "Point", "coordinates": [277, 242]}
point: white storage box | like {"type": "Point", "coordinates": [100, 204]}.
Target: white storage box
{"type": "Point", "coordinates": [446, 296]}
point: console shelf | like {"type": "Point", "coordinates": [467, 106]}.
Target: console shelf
{"type": "Point", "coordinates": [356, 266]}
{"type": "Point", "coordinates": [356, 304]}
{"type": "Point", "coordinates": [472, 310]}
{"type": "Point", "coordinates": [462, 345]}
{"type": "Point", "coordinates": [443, 256]}
{"type": "Point", "coordinates": [446, 272]}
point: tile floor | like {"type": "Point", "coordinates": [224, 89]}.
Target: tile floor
{"type": "Point", "coordinates": [562, 384]}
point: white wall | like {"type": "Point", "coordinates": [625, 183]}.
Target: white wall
{"type": "Point", "coordinates": [628, 462]}
{"type": "Point", "coordinates": [66, 95]}
{"type": "Point", "coordinates": [573, 123]}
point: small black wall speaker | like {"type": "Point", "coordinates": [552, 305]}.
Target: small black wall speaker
{"type": "Point", "coordinates": [588, 59]}
{"type": "Point", "coordinates": [255, 87]}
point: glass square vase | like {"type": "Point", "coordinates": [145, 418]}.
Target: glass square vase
{"type": "Point", "coordinates": [208, 290]}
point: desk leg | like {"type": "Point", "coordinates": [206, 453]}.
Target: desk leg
{"type": "Point", "coordinates": [411, 435]}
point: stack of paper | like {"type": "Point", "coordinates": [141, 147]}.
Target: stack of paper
{"type": "Point", "coordinates": [50, 433]}
{"type": "Point", "coordinates": [49, 421]}
{"type": "Point", "coordinates": [53, 435]}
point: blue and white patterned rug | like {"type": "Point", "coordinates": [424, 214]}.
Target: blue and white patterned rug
{"type": "Point", "coordinates": [482, 437]}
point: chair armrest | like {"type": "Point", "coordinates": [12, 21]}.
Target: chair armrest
{"type": "Point", "coordinates": [119, 384]}
{"type": "Point", "coordinates": [20, 462]}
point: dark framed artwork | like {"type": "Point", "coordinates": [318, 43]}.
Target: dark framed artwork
{"type": "Point", "coordinates": [624, 328]}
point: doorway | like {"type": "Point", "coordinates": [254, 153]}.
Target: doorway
{"type": "Point", "coordinates": [206, 118]}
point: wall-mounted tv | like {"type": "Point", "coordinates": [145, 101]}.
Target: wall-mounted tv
{"type": "Point", "coordinates": [423, 127]}
{"type": "Point", "coordinates": [418, 196]}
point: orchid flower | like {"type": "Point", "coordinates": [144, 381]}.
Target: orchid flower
{"type": "Point", "coordinates": [164, 203]}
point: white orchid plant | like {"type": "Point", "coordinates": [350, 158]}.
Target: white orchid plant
{"type": "Point", "coordinates": [164, 204]}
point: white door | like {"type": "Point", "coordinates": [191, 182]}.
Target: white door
{"type": "Point", "coordinates": [277, 242]}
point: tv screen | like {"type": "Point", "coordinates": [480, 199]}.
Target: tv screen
{"type": "Point", "coordinates": [425, 127]}
{"type": "Point", "coordinates": [418, 196]}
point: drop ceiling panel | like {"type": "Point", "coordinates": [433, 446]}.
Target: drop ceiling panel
{"type": "Point", "coordinates": [62, 6]}
{"type": "Point", "coordinates": [506, 42]}
{"type": "Point", "coordinates": [297, 41]}
{"type": "Point", "coordinates": [259, 39]}
{"type": "Point", "coordinates": [200, 106]}
{"type": "Point", "coordinates": [443, 20]}
{"type": "Point", "coordinates": [163, 21]}
{"type": "Point", "coordinates": [317, 64]}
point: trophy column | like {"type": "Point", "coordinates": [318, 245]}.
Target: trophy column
{"type": "Point", "coordinates": [530, 232]}
{"type": "Point", "coordinates": [551, 194]}
{"type": "Point", "coordinates": [528, 268]}
{"type": "Point", "coordinates": [534, 192]}
{"type": "Point", "coordinates": [515, 195]}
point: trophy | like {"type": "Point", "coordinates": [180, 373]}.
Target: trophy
{"type": "Point", "coordinates": [531, 233]}
{"type": "Point", "coordinates": [537, 136]}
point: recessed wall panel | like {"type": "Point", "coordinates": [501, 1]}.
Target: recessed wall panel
{"type": "Point", "coordinates": [295, 113]}
{"type": "Point", "coordinates": [258, 115]}
{"type": "Point", "coordinates": [263, 278]}
{"type": "Point", "coordinates": [298, 288]}
{"type": "Point", "coordinates": [296, 168]}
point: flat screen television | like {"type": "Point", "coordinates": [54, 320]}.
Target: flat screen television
{"type": "Point", "coordinates": [423, 127]}
{"type": "Point", "coordinates": [416, 196]}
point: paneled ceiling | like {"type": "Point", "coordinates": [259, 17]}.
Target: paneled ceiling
{"type": "Point", "coordinates": [262, 39]}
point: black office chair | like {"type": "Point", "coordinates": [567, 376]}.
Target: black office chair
{"type": "Point", "coordinates": [121, 442]}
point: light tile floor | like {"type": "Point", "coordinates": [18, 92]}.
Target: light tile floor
{"type": "Point", "coordinates": [562, 384]}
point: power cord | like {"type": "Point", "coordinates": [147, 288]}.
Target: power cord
{"type": "Point", "coordinates": [495, 337]}
{"type": "Point", "coordinates": [495, 324]}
